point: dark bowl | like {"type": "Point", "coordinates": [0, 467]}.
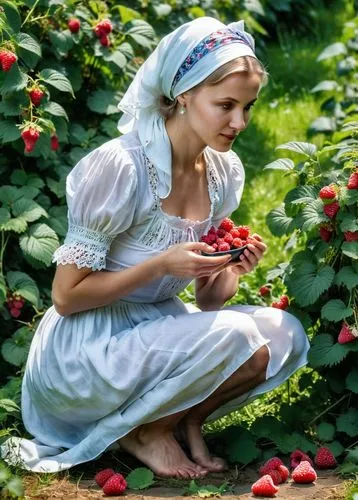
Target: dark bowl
{"type": "Point", "coordinates": [235, 253]}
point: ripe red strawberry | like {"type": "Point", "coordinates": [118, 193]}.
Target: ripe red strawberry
{"type": "Point", "coordinates": [347, 334]}
{"type": "Point", "coordinates": [353, 181]}
{"type": "Point", "coordinates": [102, 476]}
{"type": "Point", "coordinates": [325, 233]}
{"type": "Point", "coordinates": [264, 487]}
{"type": "Point", "coordinates": [325, 459]}
{"type": "Point", "coordinates": [36, 95]}
{"type": "Point", "coordinates": [244, 231]}
{"type": "Point", "coordinates": [227, 224]}
{"type": "Point", "coordinates": [105, 41]}
{"type": "Point", "coordinates": [30, 137]}
{"type": "Point", "coordinates": [276, 476]}
{"type": "Point", "coordinates": [54, 142]}
{"type": "Point", "coordinates": [282, 469]}
{"type": "Point", "coordinates": [351, 236]}
{"type": "Point", "coordinates": [264, 290]}
{"type": "Point", "coordinates": [271, 464]}
{"type": "Point", "coordinates": [115, 485]}
{"type": "Point", "coordinates": [304, 473]}
{"type": "Point", "coordinates": [327, 193]}
{"type": "Point", "coordinates": [297, 457]}
{"type": "Point", "coordinates": [74, 25]}
{"type": "Point", "coordinates": [282, 303]}
{"type": "Point", "coordinates": [331, 209]}
{"type": "Point", "coordinates": [7, 59]}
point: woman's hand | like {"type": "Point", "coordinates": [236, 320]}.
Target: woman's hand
{"type": "Point", "coordinates": [250, 258]}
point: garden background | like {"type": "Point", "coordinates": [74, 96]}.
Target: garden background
{"type": "Point", "coordinates": [63, 84]}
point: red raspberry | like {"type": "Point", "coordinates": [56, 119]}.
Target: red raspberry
{"type": "Point", "coordinates": [205, 239]}
{"type": "Point", "coordinates": [115, 485]}
{"type": "Point", "coordinates": [215, 246]}
{"type": "Point", "coordinates": [227, 224]}
{"type": "Point", "coordinates": [351, 236]}
{"type": "Point", "coordinates": [271, 464]}
{"type": "Point", "coordinates": [353, 181]}
{"type": "Point", "coordinates": [18, 303]}
{"type": "Point", "coordinates": [297, 457]}
{"type": "Point", "coordinates": [331, 209]}
{"type": "Point", "coordinates": [237, 243]}
{"type": "Point", "coordinates": [276, 476]}
{"type": "Point", "coordinates": [327, 193]}
{"type": "Point", "coordinates": [264, 487]}
{"type": "Point", "coordinates": [219, 241]}
{"type": "Point", "coordinates": [325, 459]}
{"type": "Point", "coordinates": [54, 142]}
{"type": "Point", "coordinates": [211, 238]}
{"type": "Point", "coordinates": [235, 232]}
{"type": "Point", "coordinates": [221, 232]}
{"type": "Point", "coordinates": [105, 41]}
{"type": "Point", "coordinates": [30, 137]}
{"type": "Point", "coordinates": [36, 95]}
{"type": "Point", "coordinates": [282, 303]}
{"type": "Point", "coordinates": [15, 313]}
{"type": "Point", "coordinates": [212, 230]}
{"type": "Point", "coordinates": [103, 28]}
{"type": "Point", "coordinates": [244, 231]}
{"type": "Point", "coordinates": [74, 25]}
{"type": "Point", "coordinates": [102, 476]}
{"type": "Point", "coordinates": [7, 59]}
{"type": "Point", "coordinates": [347, 334]}
{"type": "Point", "coordinates": [304, 473]}
{"type": "Point", "coordinates": [325, 233]}
{"type": "Point", "coordinates": [264, 290]}
{"type": "Point", "coordinates": [282, 469]}
{"type": "Point", "coordinates": [224, 247]}
{"type": "Point", "coordinates": [228, 238]}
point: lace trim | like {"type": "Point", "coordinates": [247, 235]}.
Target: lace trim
{"type": "Point", "coordinates": [83, 247]}
{"type": "Point", "coordinates": [171, 287]}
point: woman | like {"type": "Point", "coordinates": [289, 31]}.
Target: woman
{"type": "Point", "coordinates": [120, 358]}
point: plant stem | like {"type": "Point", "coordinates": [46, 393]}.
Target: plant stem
{"type": "Point", "coordinates": [345, 396]}
{"type": "Point", "coordinates": [30, 12]}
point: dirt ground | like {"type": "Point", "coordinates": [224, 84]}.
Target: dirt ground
{"type": "Point", "coordinates": [78, 483]}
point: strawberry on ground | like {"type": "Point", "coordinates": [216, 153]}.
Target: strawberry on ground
{"type": "Point", "coordinates": [103, 475]}
{"type": "Point", "coordinates": [325, 459]}
{"type": "Point", "coordinates": [7, 59]}
{"type": "Point", "coordinates": [304, 473]}
{"type": "Point", "coordinates": [282, 469]}
{"type": "Point", "coordinates": [276, 476]}
{"type": "Point", "coordinates": [297, 457]}
{"type": "Point", "coordinates": [74, 25]}
{"type": "Point", "coordinates": [353, 181]}
{"type": "Point", "coordinates": [327, 193]}
{"type": "Point", "coordinates": [331, 209]}
{"type": "Point", "coordinates": [115, 485]}
{"type": "Point", "coordinates": [264, 487]}
{"type": "Point", "coordinates": [347, 334]}
{"type": "Point", "coordinates": [271, 464]}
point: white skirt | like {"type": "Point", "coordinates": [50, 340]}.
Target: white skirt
{"type": "Point", "coordinates": [94, 376]}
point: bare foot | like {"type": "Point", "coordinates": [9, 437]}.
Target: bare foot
{"type": "Point", "coordinates": [161, 452]}
{"type": "Point", "coordinates": [190, 431]}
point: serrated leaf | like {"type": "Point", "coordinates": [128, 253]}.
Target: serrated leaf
{"type": "Point", "coordinates": [310, 285]}
{"type": "Point", "coordinates": [103, 101]}
{"type": "Point", "coordinates": [350, 248]}
{"type": "Point", "coordinates": [324, 352]}
{"type": "Point", "coordinates": [352, 380]}
{"type": "Point", "coordinates": [15, 349]}
{"type": "Point", "coordinates": [326, 85]}
{"type": "Point", "coordinates": [336, 448]}
{"type": "Point", "coordinates": [9, 132]}
{"type": "Point", "coordinates": [302, 194]}
{"type": "Point", "coordinates": [333, 50]}
{"type": "Point", "coordinates": [127, 14]}
{"type": "Point", "coordinates": [26, 42]}
{"type": "Point", "coordinates": [312, 215]}
{"type": "Point", "coordinates": [62, 41]}
{"type": "Point", "coordinates": [140, 478]}
{"type": "Point", "coordinates": [348, 222]}
{"type": "Point", "coordinates": [304, 148]}
{"type": "Point", "coordinates": [55, 109]}
{"type": "Point", "coordinates": [278, 222]}
{"type": "Point", "coordinates": [22, 284]}
{"type": "Point", "coordinates": [17, 224]}
{"type": "Point", "coordinates": [28, 210]}
{"type": "Point", "coordinates": [353, 455]}
{"type": "Point", "coordinates": [348, 422]}
{"type": "Point", "coordinates": [11, 104]}
{"type": "Point", "coordinates": [336, 310]}
{"type": "Point", "coordinates": [14, 80]}
{"type": "Point", "coordinates": [280, 164]}
{"type": "Point", "coordinates": [18, 177]}
{"type": "Point", "coordinates": [4, 216]}
{"type": "Point", "coordinates": [242, 451]}
{"type": "Point", "coordinates": [39, 242]}
{"type": "Point", "coordinates": [322, 124]}
{"type": "Point", "coordinates": [12, 15]}
{"type": "Point", "coordinates": [57, 80]}
{"type": "Point", "coordinates": [9, 194]}
{"type": "Point", "coordinates": [142, 33]}
{"type": "Point", "coordinates": [347, 277]}
{"type": "Point", "coordinates": [325, 431]}
{"type": "Point", "coordinates": [9, 405]}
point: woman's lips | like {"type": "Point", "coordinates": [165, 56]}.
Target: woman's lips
{"type": "Point", "coordinates": [229, 137]}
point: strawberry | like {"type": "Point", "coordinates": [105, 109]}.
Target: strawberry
{"type": "Point", "coordinates": [227, 224]}
{"type": "Point", "coordinates": [325, 233]}
{"type": "Point", "coordinates": [7, 59]}
{"type": "Point", "coordinates": [74, 25]}
{"type": "Point", "coordinates": [351, 236]}
{"type": "Point", "coordinates": [115, 485]}
{"type": "Point", "coordinates": [297, 456]}
{"type": "Point", "coordinates": [244, 231]}
{"type": "Point", "coordinates": [271, 464]}
{"type": "Point", "coordinates": [282, 469]}
{"type": "Point", "coordinates": [264, 487]}
{"type": "Point", "coordinates": [30, 136]}
{"type": "Point", "coordinates": [327, 193]}
{"type": "Point", "coordinates": [304, 473]}
{"type": "Point", "coordinates": [282, 303]}
{"type": "Point", "coordinates": [54, 142]}
{"type": "Point", "coordinates": [276, 477]}
{"type": "Point", "coordinates": [353, 181]}
{"type": "Point", "coordinates": [325, 459]}
{"type": "Point", "coordinates": [264, 290]}
{"type": "Point", "coordinates": [331, 209]}
{"type": "Point", "coordinates": [102, 476]}
{"type": "Point", "coordinates": [347, 334]}
{"type": "Point", "coordinates": [36, 95]}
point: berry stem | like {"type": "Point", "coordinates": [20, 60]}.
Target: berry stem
{"type": "Point", "coordinates": [4, 241]}
{"type": "Point", "coordinates": [345, 396]}
{"type": "Point", "coordinates": [29, 14]}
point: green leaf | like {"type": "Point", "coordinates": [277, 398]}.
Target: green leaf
{"type": "Point", "coordinates": [18, 225]}
{"type": "Point", "coordinates": [39, 242]}
{"type": "Point", "coordinates": [12, 15]}
{"type": "Point", "coordinates": [302, 194]}
{"type": "Point", "coordinates": [325, 431]}
{"type": "Point", "coordinates": [16, 349]}
{"type": "Point", "coordinates": [322, 124]}
{"type": "Point", "coordinates": [117, 58]}
{"type": "Point", "coordinates": [57, 80]}
{"type": "Point", "coordinates": [278, 222]}
{"type": "Point", "coordinates": [103, 101]}
{"type": "Point", "coordinates": [142, 33]}
{"type": "Point", "coordinates": [353, 455]}
{"type": "Point", "coordinates": [254, 6]}
{"type": "Point", "coordinates": [309, 286]}
{"type": "Point", "coordinates": [22, 284]}
{"type": "Point", "coordinates": [289, 442]}
{"type": "Point", "coordinates": [9, 132]}
{"type": "Point", "coordinates": [336, 310]}
{"type": "Point", "coordinates": [348, 222]}
{"type": "Point", "coordinates": [55, 109]}
{"type": "Point", "coordinates": [62, 41]}
{"type": "Point", "coordinates": [4, 216]}
{"type": "Point", "coordinates": [352, 380]}
{"type": "Point", "coordinates": [11, 104]}
{"type": "Point", "coordinates": [348, 422]}
{"type": "Point", "coordinates": [15, 487]}
{"type": "Point", "coordinates": [26, 42]}
{"type": "Point", "coordinates": [140, 478]}
{"type": "Point", "coordinates": [242, 451]}
{"type": "Point", "coordinates": [325, 85]}
{"type": "Point", "coordinates": [350, 248]}
{"type": "Point", "coordinates": [18, 177]}
{"type": "Point", "coordinates": [304, 148]}
{"type": "Point", "coordinates": [280, 164]}
{"type": "Point", "coordinates": [324, 352]}
{"type": "Point", "coordinates": [9, 405]}
{"type": "Point", "coordinates": [14, 80]}
{"type": "Point", "coordinates": [313, 215]}
{"type": "Point", "coordinates": [347, 277]}
{"type": "Point", "coordinates": [333, 50]}
{"type": "Point", "coordinates": [127, 14]}
{"type": "Point", "coordinates": [336, 448]}
{"type": "Point", "coordinates": [28, 210]}
{"type": "Point", "coordinates": [162, 10]}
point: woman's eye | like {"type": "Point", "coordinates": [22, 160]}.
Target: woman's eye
{"type": "Point", "coordinates": [226, 106]}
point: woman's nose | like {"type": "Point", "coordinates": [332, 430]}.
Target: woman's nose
{"type": "Point", "coordinates": [238, 121]}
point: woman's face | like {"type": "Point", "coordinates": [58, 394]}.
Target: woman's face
{"type": "Point", "coordinates": [217, 113]}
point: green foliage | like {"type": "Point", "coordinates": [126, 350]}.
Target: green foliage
{"type": "Point", "coordinates": [140, 478]}
{"type": "Point", "coordinates": [206, 490]}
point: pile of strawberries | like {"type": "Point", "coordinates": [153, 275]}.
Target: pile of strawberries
{"type": "Point", "coordinates": [112, 483]}
{"type": "Point", "coordinates": [228, 236]}
{"type": "Point", "coordinates": [274, 472]}
{"type": "Point", "coordinates": [15, 303]}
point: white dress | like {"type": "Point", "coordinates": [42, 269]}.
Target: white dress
{"type": "Point", "coordinates": [93, 376]}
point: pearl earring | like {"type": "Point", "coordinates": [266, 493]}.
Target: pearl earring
{"type": "Point", "coordinates": [182, 110]}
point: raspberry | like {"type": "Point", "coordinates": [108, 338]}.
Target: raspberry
{"type": "Point", "coordinates": [327, 193]}
{"type": "Point", "coordinates": [103, 475]}
{"type": "Point", "coordinates": [297, 457]}
{"type": "Point", "coordinates": [228, 238]}
{"type": "Point", "coordinates": [347, 334]}
{"type": "Point", "coordinates": [18, 303]}
{"type": "Point", "coordinates": [325, 459]}
{"type": "Point", "coordinates": [282, 303]}
{"type": "Point", "coordinates": [264, 290]}
{"type": "Point", "coordinates": [30, 137]}
{"type": "Point", "coordinates": [271, 464]}
{"type": "Point", "coordinates": [74, 25]}
{"type": "Point", "coordinates": [103, 28]}
{"type": "Point", "coordinates": [351, 236]}
{"type": "Point", "coordinates": [36, 95]}
{"type": "Point", "coordinates": [331, 209]}
{"type": "Point", "coordinates": [15, 313]}
{"type": "Point", "coordinates": [105, 41]}
{"type": "Point", "coordinates": [244, 231]}
{"type": "Point", "coordinates": [325, 233]}
{"type": "Point", "coordinates": [304, 473]}
{"type": "Point", "coordinates": [215, 246]}
{"type": "Point", "coordinates": [224, 247]}
{"type": "Point", "coordinates": [276, 476]}
{"type": "Point", "coordinates": [264, 487]}
{"type": "Point", "coordinates": [235, 232]}
{"type": "Point", "coordinates": [282, 469]}
{"type": "Point", "coordinates": [237, 243]}
{"type": "Point", "coordinates": [115, 485]}
{"type": "Point", "coordinates": [227, 224]}
{"type": "Point", "coordinates": [7, 59]}
{"type": "Point", "coordinates": [221, 232]}
{"type": "Point", "coordinates": [205, 239]}
{"type": "Point", "coordinates": [352, 181]}
{"type": "Point", "coordinates": [54, 142]}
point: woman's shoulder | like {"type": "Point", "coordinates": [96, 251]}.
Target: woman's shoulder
{"type": "Point", "coordinates": [227, 164]}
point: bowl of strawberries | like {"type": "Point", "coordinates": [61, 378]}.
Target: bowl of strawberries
{"type": "Point", "coordinates": [227, 239]}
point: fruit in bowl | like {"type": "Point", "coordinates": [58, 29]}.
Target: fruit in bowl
{"type": "Point", "coordinates": [227, 239]}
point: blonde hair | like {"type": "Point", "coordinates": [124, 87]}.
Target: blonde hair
{"type": "Point", "coordinates": [243, 64]}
